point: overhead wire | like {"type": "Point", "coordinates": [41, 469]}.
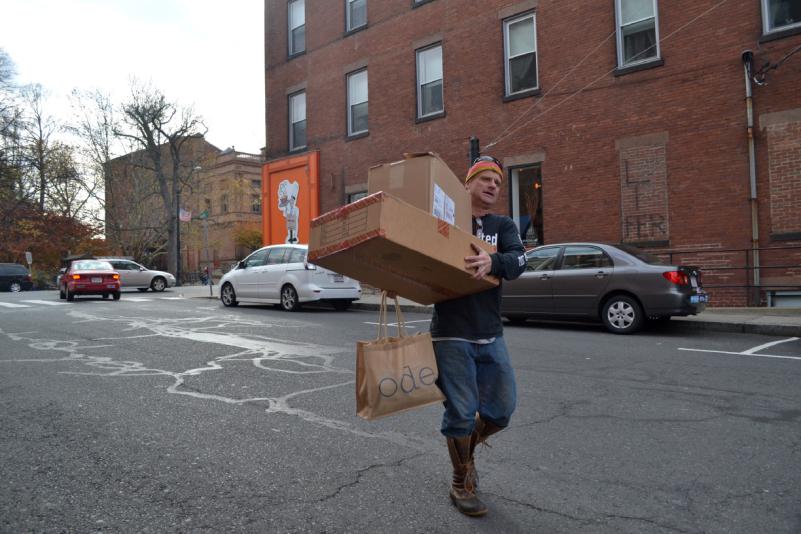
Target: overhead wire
{"type": "Point", "coordinates": [507, 132]}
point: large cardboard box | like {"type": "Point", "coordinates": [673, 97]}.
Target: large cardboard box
{"type": "Point", "coordinates": [382, 241]}
{"type": "Point", "coordinates": [424, 181]}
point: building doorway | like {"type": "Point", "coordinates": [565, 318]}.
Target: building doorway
{"type": "Point", "coordinates": [526, 199]}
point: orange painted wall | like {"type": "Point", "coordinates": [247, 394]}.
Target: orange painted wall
{"type": "Point", "coordinates": [290, 198]}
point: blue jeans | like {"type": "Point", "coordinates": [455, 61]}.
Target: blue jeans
{"type": "Point", "coordinates": [474, 378]}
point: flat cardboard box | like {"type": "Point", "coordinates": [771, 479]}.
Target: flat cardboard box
{"type": "Point", "coordinates": [385, 242]}
{"type": "Point", "coordinates": [424, 181]}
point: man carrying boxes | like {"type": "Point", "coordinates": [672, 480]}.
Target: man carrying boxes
{"type": "Point", "coordinates": [411, 237]}
{"type": "Point", "coordinates": [475, 373]}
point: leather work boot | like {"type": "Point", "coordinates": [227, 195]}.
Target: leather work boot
{"type": "Point", "coordinates": [463, 491]}
{"type": "Point", "coordinates": [481, 432]}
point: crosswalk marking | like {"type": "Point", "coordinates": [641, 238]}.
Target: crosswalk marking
{"type": "Point", "coordinates": [137, 299]}
{"type": "Point", "coordinates": [46, 302]}
{"type": "Point", "coordinates": [10, 305]}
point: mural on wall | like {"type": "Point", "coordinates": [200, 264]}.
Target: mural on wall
{"type": "Point", "coordinates": [644, 201]}
{"type": "Point", "coordinates": [291, 198]}
{"type": "Point", "coordinates": [287, 204]}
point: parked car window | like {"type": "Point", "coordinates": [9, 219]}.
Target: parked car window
{"type": "Point", "coordinates": [276, 255]}
{"type": "Point", "coordinates": [297, 255]}
{"type": "Point", "coordinates": [257, 259]}
{"type": "Point", "coordinates": [642, 255]}
{"type": "Point", "coordinates": [543, 259]}
{"type": "Point", "coordinates": [92, 266]}
{"type": "Point", "coordinates": [578, 257]}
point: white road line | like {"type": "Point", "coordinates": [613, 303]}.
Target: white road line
{"type": "Point", "coordinates": [137, 299]}
{"type": "Point", "coordinates": [745, 354]}
{"type": "Point", "coordinates": [172, 298]}
{"type": "Point", "coordinates": [766, 345]}
{"type": "Point", "coordinates": [10, 305]}
{"type": "Point", "coordinates": [46, 302]}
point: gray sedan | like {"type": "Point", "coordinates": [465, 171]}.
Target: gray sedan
{"type": "Point", "coordinates": [620, 285]}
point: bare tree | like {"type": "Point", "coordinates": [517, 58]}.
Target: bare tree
{"type": "Point", "coordinates": [37, 132]}
{"type": "Point", "coordinates": [162, 132]}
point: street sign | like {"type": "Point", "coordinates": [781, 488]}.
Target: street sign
{"type": "Point", "coordinates": [185, 215]}
{"type": "Point", "coordinates": [203, 214]}
{"type": "Point", "coordinates": [28, 257]}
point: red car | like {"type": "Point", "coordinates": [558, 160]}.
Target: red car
{"type": "Point", "coordinates": [90, 277]}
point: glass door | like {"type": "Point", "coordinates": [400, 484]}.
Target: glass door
{"type": "Point", "coordinates": [526, 189]}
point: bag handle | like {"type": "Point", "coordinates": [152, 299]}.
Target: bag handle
{"type": "Point", "coordinates": [382, 318]}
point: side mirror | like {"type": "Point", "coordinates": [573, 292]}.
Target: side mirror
{"type": "Point", "coordinates": [143, 268]}
{"type": "Point", "coordinates": [62, 270]}
{"type": "Point", "coordinates": [241, 265]}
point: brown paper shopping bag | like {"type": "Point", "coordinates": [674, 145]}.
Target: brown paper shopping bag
{"type": "Point", "coordinates": [395, 374]}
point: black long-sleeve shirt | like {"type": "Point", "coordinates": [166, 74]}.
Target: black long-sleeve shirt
{"type": "Point", "coordinates": [478, 316]}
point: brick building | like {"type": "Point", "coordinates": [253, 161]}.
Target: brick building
{"type": "Point", "coordinates": [221, 192]}
{"type": "Point", "coordinates": [616, 120]}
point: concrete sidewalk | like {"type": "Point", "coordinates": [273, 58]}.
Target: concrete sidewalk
{"type": "Point", "coordinates": [767, 321]}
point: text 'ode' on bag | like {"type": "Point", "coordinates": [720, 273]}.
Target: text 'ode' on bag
{"type": "Point", "coordinates": [395, 374]}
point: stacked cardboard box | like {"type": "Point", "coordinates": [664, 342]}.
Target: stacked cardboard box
{"type": "Point", "coordinates": [410, 236]}
{"type": "Point", "coordinates": [424, 181]}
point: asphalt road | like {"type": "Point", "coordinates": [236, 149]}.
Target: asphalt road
{"type": "Point", "coordinates": [163, 414]}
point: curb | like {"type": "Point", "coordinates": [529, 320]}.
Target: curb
{"type": "Point", "coordinates": [740, 328]}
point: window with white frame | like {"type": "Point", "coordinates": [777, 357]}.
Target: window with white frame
{"type": "Point", "coordinates": [430, 98]}
{"type": "Point", "coordinates": [357, 102]}
{"type": "Point", "coordinates": [296, 13]}
{"type": "Point", "coordinates": [520, 51]}
{"type": "Point", "coordinates": [355, 14]}
{"type": "Point", "coordinates": [297, 120]}
{"type": "Point", "coordinates": [781, 15]}
{"type": "Point", "coordinates": [637, 31]}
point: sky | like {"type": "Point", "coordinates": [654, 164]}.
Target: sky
{"type": "Point", "coordinates": [202, 53]}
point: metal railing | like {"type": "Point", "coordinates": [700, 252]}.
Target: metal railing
{"type": "Point", "coordinates": [738, 274]}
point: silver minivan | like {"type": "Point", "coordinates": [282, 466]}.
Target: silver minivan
{"type": "Point", "coordinates": [280, 274]}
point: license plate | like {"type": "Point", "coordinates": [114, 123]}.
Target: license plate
{"type": "Point", "coordinates": [112, 286]}
{"type": "Point", "coordinates": [338, 278]}
{"type": "Point", "coordinates": [97, 280]}
{"type": "Point", "coordinates": [695, 299]}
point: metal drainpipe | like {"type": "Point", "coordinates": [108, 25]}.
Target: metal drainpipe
{"type": "Point", "coordinates": [748, 58]}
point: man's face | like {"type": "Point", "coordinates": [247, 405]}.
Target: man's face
{"type": "Point", "coordinates": [484, 189]}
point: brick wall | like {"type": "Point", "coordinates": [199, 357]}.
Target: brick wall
{"type": "Point", "coordinates": [698, 178]}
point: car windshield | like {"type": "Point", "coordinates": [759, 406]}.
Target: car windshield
{"type": "Point", "coordinates": [642, 255]}
{"type": "Point", "coordinates": [92, 266]}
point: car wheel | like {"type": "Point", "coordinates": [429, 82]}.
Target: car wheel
{"type": "Point", "coordinates": [158, 284]}
{"type": "Point", "coordinates": [289, 298]}
{"type": "Point", "coordinates": [105, 295]}
{"type": "Point", "coordinates": [622, 315]}
{"type": "Point", "coordinates": [142, 289]}
{"type": "Point", "coordinates": [61, 294]}
{"type": "Point", "coordinates": [70, 296]}
{"type": "Point", "coordinates": [15, 287]}
{"type": "Point", "coordinates": [228, 295]}
{"type": "Point", "coordinates": [117, 295]}
{"type": "Point", "coordinates": [341, 305]}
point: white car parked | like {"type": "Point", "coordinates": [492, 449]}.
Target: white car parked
{"type": "Point", "coordinates": [134, 275]}
{"type": "Point", "coordinates": [280, 274]}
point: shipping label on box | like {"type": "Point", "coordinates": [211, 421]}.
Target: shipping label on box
{"type": "Point", "coordinates": [426, 182]}
{"type": "Point", "coordinates": [387, 243]}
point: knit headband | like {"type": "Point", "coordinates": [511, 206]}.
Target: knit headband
{"type": "Point", "coordinates": [481, 166]}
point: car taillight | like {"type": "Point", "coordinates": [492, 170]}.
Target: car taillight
{"type": "Point", "coordinates": [76, 277]}
{"type": "Point", "coordinates": [115, 276]}
{"type": "Point", "coordinates": [677, 277]}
